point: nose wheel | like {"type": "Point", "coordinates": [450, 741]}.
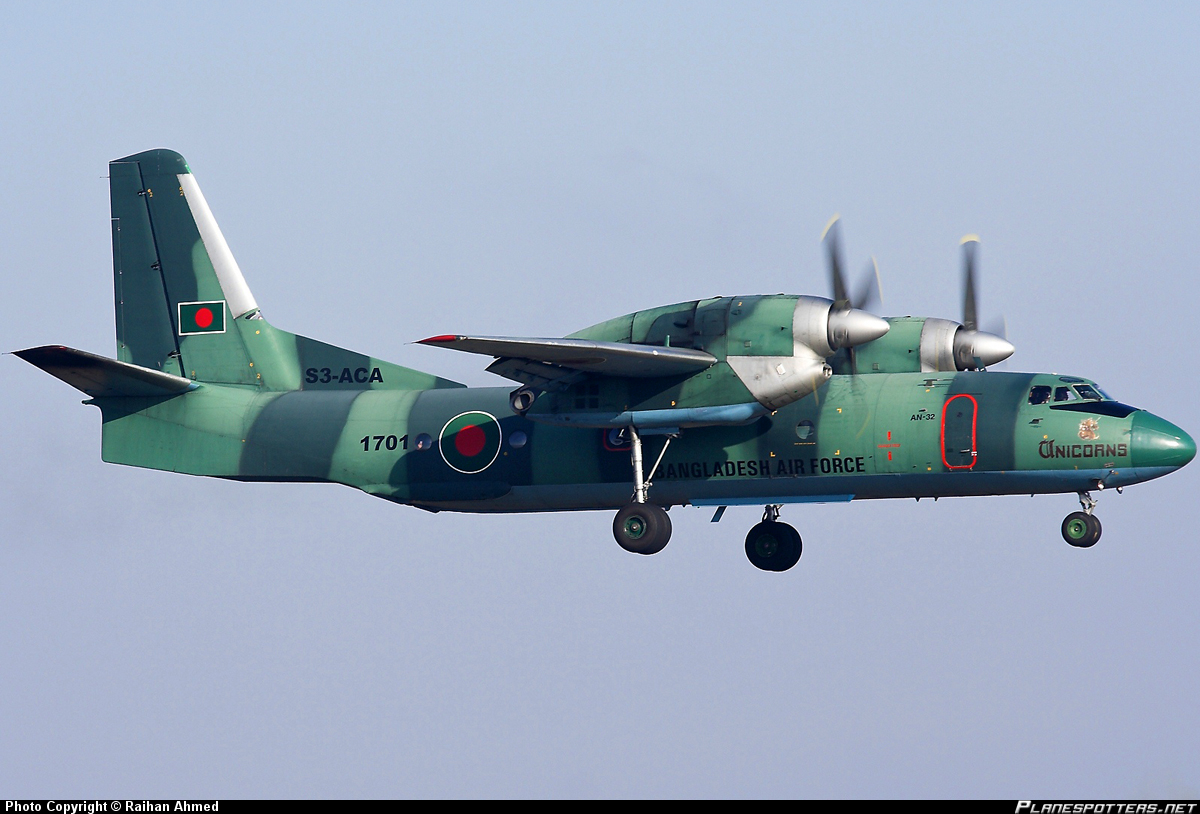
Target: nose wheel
{"type": "Point", "coordinates": [772, 545]}
{"type": "Point", "coordinates": [1082, 529]}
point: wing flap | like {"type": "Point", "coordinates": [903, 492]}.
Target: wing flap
{"type": "Point", "coordinates": [538, 375]}
{"type": "Point", "coordinates": [101, 377]}
{"type": "Point", "coordinates": [604, 358]}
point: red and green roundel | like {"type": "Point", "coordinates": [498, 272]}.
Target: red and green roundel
{"type": "Point", "coordinates": [470, 442]}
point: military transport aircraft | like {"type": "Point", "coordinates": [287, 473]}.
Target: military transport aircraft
{"type": "Point", "coordinates": [764, 400]}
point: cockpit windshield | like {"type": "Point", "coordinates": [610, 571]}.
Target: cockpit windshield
{"type": "Point", "coordinates": [1066, 393]}
{"type": "Point", "coordinates": [1077, 396]}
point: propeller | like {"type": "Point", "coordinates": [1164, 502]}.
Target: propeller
{"type": "Point", "coordinates": [974, 348]}
{"type": "Point", "coordinates": [867, 297]}
{"type": "Point", "coordinates": [850, 320]}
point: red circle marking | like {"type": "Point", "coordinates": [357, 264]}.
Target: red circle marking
{"type": "Point", "coordinates": [204, 318]}
{"type": "Point", "coordinates": [470, 441]}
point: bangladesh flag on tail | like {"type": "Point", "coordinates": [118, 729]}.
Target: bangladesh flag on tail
{"type": "Point", "coordinates": [470, 442]}
{"type": "Point", "coordinates": [202, 317]}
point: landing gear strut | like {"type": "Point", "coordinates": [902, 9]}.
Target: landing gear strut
{"type": "Point", "coordinates": [1082, 529]}
{"type": "Point", "coordinates": [772, 545]}
{"type": "Point", "coordinates": [642, 527]}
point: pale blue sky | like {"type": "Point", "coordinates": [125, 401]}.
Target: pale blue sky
{"type": "Point", "coordinates": [392, 171]}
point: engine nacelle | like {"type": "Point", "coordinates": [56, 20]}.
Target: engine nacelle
{"type": "Point", "coordinates": [819, 330]}
{"type": "Point", "coordinates": [826, 330]}
{"type": "Point", "coordinates": [947, 345]}
{"type": "Point", "coordinates": [777, 345]}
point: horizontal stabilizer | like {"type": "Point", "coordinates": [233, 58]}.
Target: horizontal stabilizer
{"type": "Point", "coordinates": [101, 377]}
{"type": "Point", "coordinates": [605, 358]}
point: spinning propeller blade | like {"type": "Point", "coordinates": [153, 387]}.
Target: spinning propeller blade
{"type": "Point", "coordinates": [970, 306]}
{"type": "Point", "coordinates": [974, 348]}
{"type": "Point", "coordinates": [870, 295]}
{"type": "Point", "coordinates": [831, 237]}
{"type": "Point", "coordinates": [867, 296]}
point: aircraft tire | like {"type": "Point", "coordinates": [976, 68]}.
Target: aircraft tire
{"type": "Point", "coordinates": [1081, 529]}
{"type": "Point", "coordinates": [642, 528]}
{"type": "Point", "coordinates": [773, 546]}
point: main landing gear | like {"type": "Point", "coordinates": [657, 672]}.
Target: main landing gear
{"type": "Point", "coordinates": [772, 545]}
{"type": "Point", "coordinates": [1082, 529]}
{"type": "Point", "coordinates": [642, 527]}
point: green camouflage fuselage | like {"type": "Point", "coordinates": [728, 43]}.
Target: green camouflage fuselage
{"type": "Point", "coordinates": [865, 436]}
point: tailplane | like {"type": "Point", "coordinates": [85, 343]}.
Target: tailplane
{"type": "Point", "coordinates": [100, 377]}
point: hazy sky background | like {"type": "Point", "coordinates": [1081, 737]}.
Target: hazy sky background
{"type": "Point", "coordinates": [390, 171]}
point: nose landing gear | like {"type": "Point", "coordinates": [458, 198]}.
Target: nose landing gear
{"type": "Point", "coordinates": [772, 545]}
{"type": "Point", "coordinates": [1082, 529]}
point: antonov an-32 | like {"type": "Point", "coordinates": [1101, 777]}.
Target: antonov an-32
{"type": "Point", "coordinates": [765, 400]}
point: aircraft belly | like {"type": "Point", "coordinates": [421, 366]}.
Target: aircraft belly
{"type": "Point", "coordinates": [574, 497]}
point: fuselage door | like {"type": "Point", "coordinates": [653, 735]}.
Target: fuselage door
{"type": "Point", "coordinates": [959, 420]}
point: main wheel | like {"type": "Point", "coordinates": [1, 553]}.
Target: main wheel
{"type": "Point", "coordinates": [642, 528]}
{"type": "Point", "coordinates": [773, 546]}
{"type": "Point", "coordinates": [1081, 529]}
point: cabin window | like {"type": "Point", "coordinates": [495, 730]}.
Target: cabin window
{"type": "Point", "coordinates": [805, 430]}
{"type": "Point", "coordinates": [1039, 394]}
{"type": "Point", "coordinates": [587, 396]}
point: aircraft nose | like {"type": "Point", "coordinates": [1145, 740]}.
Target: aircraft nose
{"type": "Point", "coordinates": [1158, 442]}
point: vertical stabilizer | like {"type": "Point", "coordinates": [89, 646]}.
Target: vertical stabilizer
{"type": "Point", "coordinates": [183, 306]}
{"type": "Point", "coordinates": [178, 289]}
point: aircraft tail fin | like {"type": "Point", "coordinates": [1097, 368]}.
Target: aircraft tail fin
{"type": "Point", "coordinates": [183, 306]}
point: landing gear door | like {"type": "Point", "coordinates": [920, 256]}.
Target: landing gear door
{"type": "Point", "coordinates": [960, 416]}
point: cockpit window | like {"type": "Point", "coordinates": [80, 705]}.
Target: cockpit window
{"type": "Point", "coordinates": [1039, 394]}
{"type": "Point", "coordinates": [1064, 394]}
{"type": "Point", "coordinates": [1087, 392]}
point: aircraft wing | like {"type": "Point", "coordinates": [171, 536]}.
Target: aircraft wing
{"type": "Point", "coordinates": [545, 362]}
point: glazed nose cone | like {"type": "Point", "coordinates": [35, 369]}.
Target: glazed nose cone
{"type": "Point", "coordinates": [1157, 442]}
